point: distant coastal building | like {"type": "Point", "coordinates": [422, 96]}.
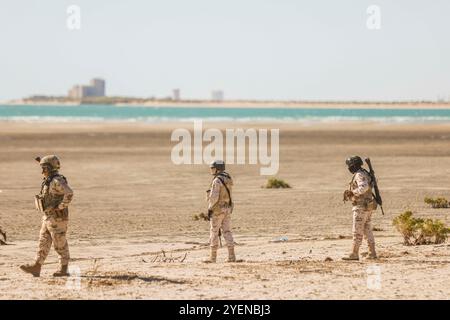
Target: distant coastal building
{"type": "Point", "coordinates": [96, 88]}
{"type": "Point", "coordinates": [217, 95]}
{"type": "Point", "coordinates": [176, 95]}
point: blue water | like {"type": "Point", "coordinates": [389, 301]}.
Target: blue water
{"type": "Point", "coordinates": [157, 114]}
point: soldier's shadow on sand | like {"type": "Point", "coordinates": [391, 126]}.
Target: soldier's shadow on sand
{"type": "Point", "coordinates": [3, 243]}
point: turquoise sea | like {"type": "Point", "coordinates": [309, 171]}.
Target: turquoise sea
{"type": "Point", "coordinates": [170, 114]}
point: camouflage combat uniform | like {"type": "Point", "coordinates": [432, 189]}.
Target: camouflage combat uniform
{"type": "Point", "coordinates": [362, 200]}
{"type": "Point", "coordinates": [56, 196]}
{"type": "Point", "coordinates": [219, 203]}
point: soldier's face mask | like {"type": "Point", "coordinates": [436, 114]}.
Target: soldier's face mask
{"type": "Point", "coordinates": [353, 169]}
{"type": "Point", "coordinates": [45, 171]}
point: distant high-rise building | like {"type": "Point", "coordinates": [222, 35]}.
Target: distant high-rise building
{"type": "Point", "coordinates": [176, 95]}
{"type": "Point", "coordinates": [96, 88]}
{"type": "Point", "coordinates": [217, 95]}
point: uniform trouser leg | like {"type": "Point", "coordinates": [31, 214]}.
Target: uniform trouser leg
{"type": "Point", "coordinates": [215, 224]}
{"type": "Point", "coordinates": [53, 230]}
{"type": "Point", "coordinates": [226, 228]}
{"type": "Point", "coordinates": [221, 220]}
{"type": "Point", "coordinates": [368, 232]}
{"type": "Point", "coordinates": [359, 225]}
{"type": "Point", "coordinates": [45, 243]}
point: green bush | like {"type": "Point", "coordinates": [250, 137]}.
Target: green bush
{"type": "Point", "coordinates": [274, 183]}
{"type": "Point", "coordinates": [418, 231]}
{"type": "Point", "coordinates": [437, 203]}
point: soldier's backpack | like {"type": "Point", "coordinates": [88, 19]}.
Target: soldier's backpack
{"type": "Point", "coordinates": [230, 201]}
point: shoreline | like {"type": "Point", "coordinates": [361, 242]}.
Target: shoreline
{"type": "Point", "coordinates": [324, 123]}
{"type": "Point", "coordinates": [292, 105]}
{"type": "Point", "coordinates": [125, 127]}
{"type": "Point", "coordinates": [238, 104]}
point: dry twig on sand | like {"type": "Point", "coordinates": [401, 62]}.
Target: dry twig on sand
{"type": "Point", "coordinates": [162, 257]}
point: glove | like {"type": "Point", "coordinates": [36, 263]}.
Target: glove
{"type": "Point", "coordinates": [58, 208]}
{"type": "Point", "coordinates": [210, 212]}
{"type": "Point", "coordinates": [348, 195]}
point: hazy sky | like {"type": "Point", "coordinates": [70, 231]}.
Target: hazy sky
{"type": "Point", "coordinates": [252, 49]}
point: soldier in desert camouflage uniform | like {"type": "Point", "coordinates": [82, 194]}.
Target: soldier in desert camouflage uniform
{"type": "Point", "coordinates": [53, 201]}
{"type": "Point", "coordinates": [360, 193]}
{"type": "Point", "coordinates": [220, 207]}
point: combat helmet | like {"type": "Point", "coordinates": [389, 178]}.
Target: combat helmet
{"type": "Point", "coordinates": [354, 163]}
{"type": "Point", "coordinates": [50, 161]}
{"type": "Point", "coordinates": [218, 164]}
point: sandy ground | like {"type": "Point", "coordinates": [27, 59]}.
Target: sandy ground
{"type": "Point", "coordinates": [131, 202]}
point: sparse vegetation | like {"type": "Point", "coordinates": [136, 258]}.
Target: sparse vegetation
{"type": "Point", "coordinates": [437, 203]}
{"type": "Point", "coordinates": [200, 216]}
{"type": "Point", "coordinates": [274, 183]}
{"type": "Point", "coordinates": [418, 231]}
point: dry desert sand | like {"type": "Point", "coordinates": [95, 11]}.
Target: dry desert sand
{"type": "Point", "coordinates": [131, 202]}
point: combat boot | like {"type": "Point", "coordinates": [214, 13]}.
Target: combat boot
{"type": "Point", "coordinates": [231, 255]}
{"type": "Point", "coordinates": [354, 255]}
{"type": "Point", "coordinates": [372, 252]}
{"type": "Point", "coordinates": [62, 271]}
{"type": "Point", "coordinates": [212, 255]}
{"type": "Point", "coordinates": [34, 269]}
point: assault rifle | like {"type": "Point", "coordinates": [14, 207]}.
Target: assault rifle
{"type": "Point", "coordinates": [377, 195]}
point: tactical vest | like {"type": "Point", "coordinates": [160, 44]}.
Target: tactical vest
{"type": "Point", "coordinates": [225, 203]}
{"type": "Point", "coordinates": [365, 198]}
{"type": "Point", "coordinates": [50, 200]}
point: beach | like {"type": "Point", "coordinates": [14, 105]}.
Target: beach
{"type": "Point", "coordinates": [132, 204]}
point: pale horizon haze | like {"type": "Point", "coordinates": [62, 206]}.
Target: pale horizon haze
{"type": "Point", "coordinates": [264, 50]}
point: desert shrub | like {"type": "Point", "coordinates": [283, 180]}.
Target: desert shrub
{"type": "Point", "coordinates": [200, 216]}
{"type": "Point", "coordinates": [274, 183]}
{"type": "Point", "coordinates": [418, 231]}
{"type": "Point", "coordinates": [437, 203]}
{"type": "Point", "coordinates": [434, 228]}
